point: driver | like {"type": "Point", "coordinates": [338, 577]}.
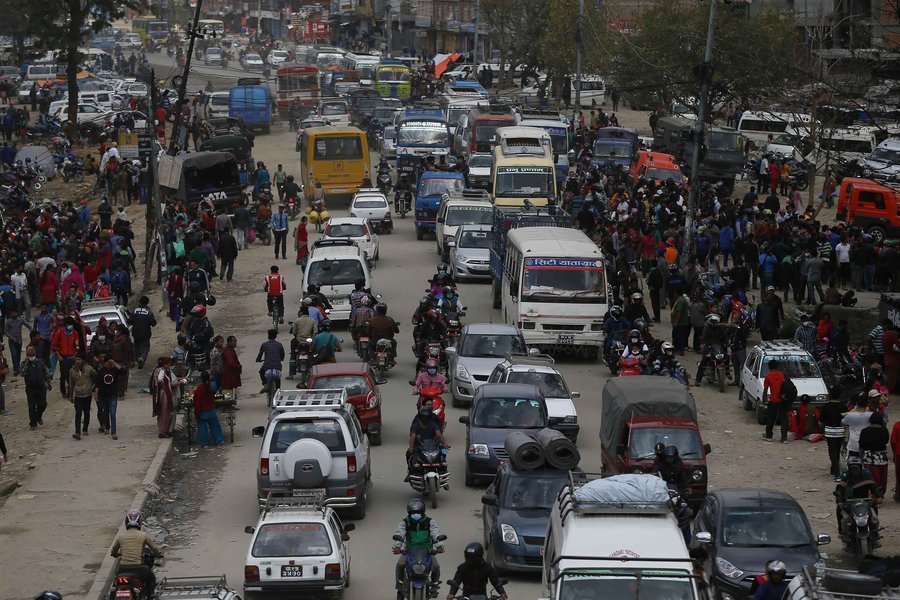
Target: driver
{"type": "Point", "coordinates": [614, 323]}
{"type": "Point", "coordinates": [129, 549]}
{"type": "Point", "coordinates": [473, 575]}
{"type": "Point", "coordinates": [855, 483]}
{"type": "Point", "coordinates": [430, 376]}
{"type": "Point", "coordinates": [714, 335]}
{"type": "Point", "coordinates": [419, 532]}
{"type": "Point", "coordinates": [671, 469]}
{"type": "Point", "coordinates": [424, 427]}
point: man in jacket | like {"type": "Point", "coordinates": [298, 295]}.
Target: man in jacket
{"type": "Point", "coordinates": [65, 344]}
{"type": "Point", "coordinates": [12, 327]}
{"type": "Point", "coordinates": [227, 253]}
{"type": "Point", "coordinates": [37, 382]}
{"type": "Point", "coordinates": [142, 323]}
{"type": "Point", "coordinates": [81, 390]}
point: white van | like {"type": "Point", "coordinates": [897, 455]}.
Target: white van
{"type": "Point", "coordinates": [461, 207]}
{"type": "Point", "coordinates": [757, 125]}
{"type": "Point", "coordinates": [609, 537]}
{"type": "Point", "coordinates": [884, 162]}
{"type": "Point", "coordinates": [218, 105]}
{"type": "Point", "coordinates": [851, 143]}
{"type": "Point", "coordinates": [523, 140]}
{"type": "Point", "coordinates": [42, 72]}
{"type": "Point", "coordinates": [336, 265]}
{"type": "Point", "coordinates": [554, 288]}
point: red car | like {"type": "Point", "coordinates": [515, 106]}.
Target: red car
{"type": "Point", "coordinates": [362, 391]}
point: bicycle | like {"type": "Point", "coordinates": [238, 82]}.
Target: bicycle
{"type": "Point", "coordinates": [273, 384]}
{"type": "Point", "coordinates": [277, 319]}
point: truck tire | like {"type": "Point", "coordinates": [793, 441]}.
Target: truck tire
{"type": "Point", "coordinates": [852, 583]}
{"type": "Point", "coordinates": [419, 233]}
{"type": "Point", "coordinates": [877, 232]}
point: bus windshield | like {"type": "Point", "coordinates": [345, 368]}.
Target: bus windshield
{"type": "Point", "coordinates": [611, 148]}
{"type": "Point", "coordinates": [327, 59]}
{"type": "Point", "coordinates": [292, 82]}
{"type": "Point", "coordinates": [551, 279]}
{"type": "Point", "coordinates": [338, 147]}
{"type": "Point", "coordinates": [524, 181]}
{"type": "Point", "coordinates": [423, 133]}
{"type": "Point", "coordinates": [393, 75]}
{"type": "Point", "coordinates": [434, 186]}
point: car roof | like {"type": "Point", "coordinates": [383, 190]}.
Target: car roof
{"type": "Point", "coordinates": [502, 390]}
{"type": "Point", "coordinates": [750, 497]}
{"type": "Point", "coordinates": [289, 515]}
{"type": "Point", "coordinates": [367, 195]}
{"type": "Point", "coordinates": [336, 252]}
{"type": "Point", "coordinates": [491, 329]}
{"type": "Point", "coordinates": [342, 368]}
{"type": "Point", "coordinates": [347, 221]}
{"type": "Point", "coordinates": [781, 347]}
{"type": "Point", "coordinates": [525, 368]}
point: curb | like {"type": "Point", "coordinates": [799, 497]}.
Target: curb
{"type": "Point", "coordinates": [100, 586]}
{"type": "Point", "coordinates": [8, 489]}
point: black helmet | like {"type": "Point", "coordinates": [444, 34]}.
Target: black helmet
{"type": "Point", "coordinates": [474, 553]}
{"type": "Point", "coordinates": [670, 451]}
{"type": "Point", "coordinates": [425, 412]}
{"type": "Point", "coordinates": [415, 506]}
{"type": "Point", "coordinates": [616, 312]}
{"type": "Point", "coordinates": [640, 324]}
{"type": "Point", "coordinates": [381, 308]}
{"type": "Point", "coordinates": [325, 325]}
{"type": "Point", "coordinates": [49, 595]}
{"type": "Point", "coordinates": [776, 567]}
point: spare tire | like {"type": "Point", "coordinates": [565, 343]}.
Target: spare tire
{"type": "Point", "coordinates": [308, 462]}
{"type": "Point", "coordinates": [847, 582]}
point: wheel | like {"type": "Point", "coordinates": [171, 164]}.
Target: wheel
{"type": "Point", "coordinates": [760, 414]}
{"type": "Point", "coordinates": [470, 480]}
{"type": "Point", "coordinates": [418, 594]}
{"type": "Point", "coordinates": [375, 439]}
{"type": "Point", "coordinates": [802, 184]}
{"type": "Point", "coordinates": [877, 232]}
{"type": "Point", "coordinates": [720, 375]}
{"type": "Point", "coordinates": [433, 492]}
{"type": "Point", "coordinates": [420, 233]}
{"type": "Point", "coordinates": [377, 254]}
{"type": "Point", "coordinates": [745, 399]}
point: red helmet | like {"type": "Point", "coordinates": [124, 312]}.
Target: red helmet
{"type": "Point", "coordinates": [431, 314]}
{"type": "Point", "coordinates": [199, 311]}
{"type": "Point", "coordinates": [431, 364]}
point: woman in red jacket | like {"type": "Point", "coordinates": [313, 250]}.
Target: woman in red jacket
{"type": "Point", "coordinates": [49, 284]}
{"type": "Point", "coordinates": [231, 378]}
{"type": "Point", "coordinates": [205, 411]}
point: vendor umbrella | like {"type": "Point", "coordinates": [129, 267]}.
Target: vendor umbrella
{"type": "Point", "coordinates": [442, 61]}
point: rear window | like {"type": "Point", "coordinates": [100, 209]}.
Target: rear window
{"type": "Point", "coordinates": [336, 272]}
{"type": "Point", "coordinates": [370, 203]}
{"type": "Point", "coordinates": [91, 320]}
{"type": "Point", "coordinates": [327, 431]}
{"type": "Point", "coordinates": [291, 539]}
{"type": "Point", "coordinates": [345, 230]}
{"type": "Point", "coordinates": [219, 101]}
{"type": "Point", "coordinates": [354, 384]}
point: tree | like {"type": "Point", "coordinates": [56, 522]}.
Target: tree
{"type": "Point", "coordinates": [64, 25]}
{"type": "Point", "coordinates": [514, 27]}
{"type": "Point", "coordinates": [660, 63]}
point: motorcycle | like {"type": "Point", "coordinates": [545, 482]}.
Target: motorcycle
{"type": "Point", "coordinates": [416, 584]}
{"type": "Point", "coordinates": [381, 360]}
{"type": "Point", "coordinates": [362, 346]}
{"type": "Point", "coordinates": [128, 586]}
{"type": "Point", "coordinates": [291, 208]}
{"type": "Point", "coordinates": [301, 361]}
{"type": "Point", "coordinates": [630, 366]}
{"type": "Point", "coordinates": [72, 169]}
{"type": "Point", "coordinates": [614, 351]}
{"type": "Point", "coordinates": [403, 203]}
{"type": "Point", "coordinates": [384, 181]}
{"type": "Point", "coordinates": [435, 350]}
{"type": "Point", "coordinates": [318, 215]}
{"type": "Point", "coordinates": [263, 233]}
{"type": "Point", "coordinates": [492, 596]}
{"type": "Point", "coordinates": [718, 367]}
{"type": "Point", "coordinates": [263, 194]}
{"type": "Point", "coordinates": [799, 177]}
{"type": "Point", "coordinates": [428, 470]}
{"type": "Point", "coordinates": [680, 375]}
{"type": "Point", "coordinates": [861, 536]}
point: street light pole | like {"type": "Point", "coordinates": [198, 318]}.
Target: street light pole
{"type": "Point", "coordinates": [476, 51]}
{"type": "Point", "coordinates": [580, 41]}
{"type": "Point", "coordinates": [699, 127]}
{"type": "Point", "coordinates": [193, 34]}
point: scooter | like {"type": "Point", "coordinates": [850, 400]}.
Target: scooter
{"type": "Point", "coordinates": [384, 181]}
{"type": "Point", "coordinates": [128, 586]}
{"type": "Point", "coordinates": [433, 393]}
{"type": "Point", "coordinates": [416, 584]}
{"type": "Point", "coordinates": [263, 233]}
{"type": "Point", "coordinates": [630, 366]}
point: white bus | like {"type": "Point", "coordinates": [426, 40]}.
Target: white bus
{"type": "Point", "coordinates": [757, 125]}
{"type": "Point", "coordinates": [554, 288]}
{"type": "Point", "coordinates": [212, 26]}
{"type": "Point", "coordinates": [364, 65]}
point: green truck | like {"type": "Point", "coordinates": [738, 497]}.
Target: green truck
{"type": "Point", "coordinates": [721, 155]}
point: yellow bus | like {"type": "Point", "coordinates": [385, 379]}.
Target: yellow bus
{"type": "Point", "coordinates": [393, 79]}
{"type": "Point", "coordinates": [149, 26]}
{"type": "Point", "coordinates": [336, 157]}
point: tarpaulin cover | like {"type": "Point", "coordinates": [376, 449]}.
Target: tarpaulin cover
{"type": "Point", "coordinates": [524, 452]}
{"type": "Point", "coordinates": [642, 396]}
{"type": "Point", "coordinates": [625, 488]}
{"type": "Point", "coordinates": [442, 60]}
{"type": "Point", "coordinates": [560, 451]}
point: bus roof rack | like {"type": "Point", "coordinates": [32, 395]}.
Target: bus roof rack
{"type": "Point", "coordinates": [539, 112]}
{"type": "Point", "coordinates": [537, 359]}
{"type": "Point", "coordinates": [249, 81]}
{"type": "Point", "coordinates": [191, 588]}
{"type": "Point", "coordinates": [467, 194]}
{"type": "Point", "coordinates": [312, 499]}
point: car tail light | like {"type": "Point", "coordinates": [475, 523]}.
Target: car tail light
{"type": "Point", "coordinates": [264, 466]}
{"type": "Point", "coordinates": [333, 571]}
{"type": "Point", "coordinates": [351, 464]}
{"type": "Point", "coordinates": [251, 573]}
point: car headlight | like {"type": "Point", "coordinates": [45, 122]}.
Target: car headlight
{"type": "Point", "coordinates": [821, 397]}
{"type": "Point", "coordinates": [570, 419]}
{"type": "Point", "coordinates": [728, 570]}
{"type": "Point", "coordinates": [697, 475]}
{"type": "Point", "coordinates": [508, 532]}
{"type": "Point", "coordinates": [478, 450]}
{"type": "Point", "coordinates": [462, 373]}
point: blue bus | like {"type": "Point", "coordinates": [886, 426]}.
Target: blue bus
{"type": "Point", "coordinates": [251, 100]}
{"type": "Point", "coordinates": [420, 132]}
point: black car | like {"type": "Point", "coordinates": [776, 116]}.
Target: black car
{"type": "Point", "coordinates": [516, 511]}
{"type": "Point", "coordinates": [497, 410]}
{"type": "Point", "coordinates": [741, 529]}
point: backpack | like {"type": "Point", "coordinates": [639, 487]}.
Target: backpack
{"type": "Point", "coordinates": [119, 280]}
{"type": "Point", "coordinates": [8, 301]}
{"type": "Point", "coordinates": [788, 392]}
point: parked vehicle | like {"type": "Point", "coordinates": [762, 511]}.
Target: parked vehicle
{"type": "Point", "coordinates": [870, 205]}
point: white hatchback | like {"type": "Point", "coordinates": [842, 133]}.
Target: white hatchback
{"type": "Point", "coordinates": [371, 204]}
{"type": "Point", "coordinates": [357, 229]}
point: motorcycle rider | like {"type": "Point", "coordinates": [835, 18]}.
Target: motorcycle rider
{"type": "Point", "coordinates": [359, 292]}
{"type": "Point", "coordinates": [668, 361]}
{"type": "Point", "coordinates": [430, 376]}
{"type": "Point", "coordinates": [636, 309]}
{"type": "Point", "coordinates": [402, 188]}
{"type": "Point", "coordinates": [775, 586]}
{"type": "Point", "coordinates": [614, 323]}
{"type": "Point", "coordinates": [291, 191]}
{"type": "Point", "coordinates": [432, 329]}
{"type": "Point", "coordinates": [714, 335]}
{"type": "Point", "coordinates": [442, 277]}
{"type": "Point", "coordinates": [313, 292]}
{"type": "Point", "coordinates": [325, 344]}
{"type": "Point", "coordinates": [635, 345]}
{"type": "Point", "coordinates": [359, 317]}
{"type": "Point", "coordinates": [382, 326]}
{"type": "Point", "coordinates": [473, 575]}
{"type": "Point", "coordinates": [274, 287]}
{"type": "Point", "coordinates": [671, 470]}
{"type": "Point", "coordinates": [419, 533]}
{"type": "Point", "coordinates": [199, 330]}
{"type": "Point", "coordinates": [129, 549]}
{"type": "Point", "coordinates": [855, 483]}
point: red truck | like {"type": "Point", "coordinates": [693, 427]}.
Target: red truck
{"type": "Point", "coordinates": [639, 412]}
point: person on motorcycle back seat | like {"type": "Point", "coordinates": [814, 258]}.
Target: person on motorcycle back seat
{"type": "Point", "coordinates": [419, 532]}
{"type": "Point", "coordinates": [432, 329]}
{"type": "Point", "coordinates": [635, 345]}
{"type": "Point", "coordinates": [442, 277]}
{"type": "Point", "coordinates": [430, 376]}
{"type": "Point", "coordinates": [262, 178]}
{"type": "Point", "coordinates": [671, 470]}
{"type": "Point", "coordinates": [614, 323]}
{"type": "Point", "coordinates": [384, 166]}
{"type": "Point", "coordinates": [855, 483]}
{"type": "Point", "coordinates": [129, 549]}
{"type": "Point", "coordinates": [715, 335]}
{"type": "Point", "coordinates": [451, 302]}
{"type": "Point", "coordinates": [264, 212]}
{"type": "Point", "coordinates": [636, 309]}
{"type": "Point", "coordinates": [382, 326]}
{"type": "Point", "coordinates": [401, 187]}
{"type": "Point", "coordinates": [318, 298]}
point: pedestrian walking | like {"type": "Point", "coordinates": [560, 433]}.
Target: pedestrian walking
{"type": "Point", "coordinates": [242, 219]}
{"type": "Point", "coordinates": [82, 384]}
{"type": "Point", "coordinates": [815, 268]}
{"type": "Point", "coordinates": [37, 383]}
{"type": "Point", "coordinates": [163, 384]}
{"type": "Point", "coordinates": [830, 416]}
{"type": "Point", "coordinates": [142, 323]}
{"type": "Point", "coordinates": [4, 372]}
{"type": "Point", "coordinates": [227, 253]}
{"type": "Point", "coordinates": [873, 442]}
{"type": "Point", "coordinates": [231, 378]}
{"type": "Point", "coordinates": [109, 377]}
{"type": "Point", "coordinates": [280, 230]}
{"type": "Point", "coordinates": [856, 420]}
{"type": "Point", "coordinates": [205, 412]}
{"type": "Point", "coordinates": [175, 293]}
{"type": "Point", "coordinates": [301, 240]}
{"type": "Point", "coordinates": [681, 324]}
{"type": "Point", "coordinates": [895, 450]}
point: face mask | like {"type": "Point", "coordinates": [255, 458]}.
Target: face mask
{"type": "Point", "coordinates": [415, 517]}
{"type": "Point", "coordinates": [69, 328]}
{"type": "Point", "coordinates": [432, 371]}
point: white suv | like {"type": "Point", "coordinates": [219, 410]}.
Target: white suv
{"type": "Point", "coordinates": [358, 229]}
{"type": "Point", "coordinates": [299, 547]}
{"type": "Point", "coordinates": [538, 369]}
{"type": "Point", "coordinates": [796, 363]}
{"type": "Point", "coordinates": [313, 445]}
{"type": "Point", "coordinates": [336, 265]}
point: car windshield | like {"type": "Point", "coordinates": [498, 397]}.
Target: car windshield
{"type": "Point", "coordinates": [475, 239]}
{"type": "Point", "coordinates": [643, 441]}
{"type": "Point", "coordinates": [291, 539]}
{"type": "Point", "coordinates": [354, 384]}
{"type": "Point", "coordinates": [470, 215]}
{"type": "Point", "coordinates": [481, 160]}
{"type": "Point", "coordinates": [612, 148]}
{"type": "Point", "coordinates": [547, 280]}
{"type": "Point", "coordinates": [327, 431]}
{"type": "Point", "coordinates": [335, 272]}
{"type": "Point", "coordinates": [756, 526]}
{"type": "Point", "coordinates": [550, 384]}
{"type": "Point", "coordinates": [658, 174]}
{"type": "Point", "coordinates": [369, 203]}
{"type": "Point", "coordinates": [491, 346]}
{"type": "Point", "coordinates": [509, 413]}
{"type": "Point", "coordinates": [532, 492]}
{"type": "Point", "coordinates": [345, 230]}
{"type": "Point", "coordinates": [888, 155]}
{"type": "Point", "coordinates": [723, 140]}
{"type": "Point", "coordinates": [335, 108]}
{"type": "Point", "coordinates": [795, 367]}
{"type": "Point", "coordinates": [643, 586]}
{"type": "Point", "coordinates": [434, 186]}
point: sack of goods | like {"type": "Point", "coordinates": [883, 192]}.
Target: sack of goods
{"type": "Point", "coordinates": [546, 447]}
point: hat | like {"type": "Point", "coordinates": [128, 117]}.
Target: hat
{"type": "Point", "coordinates": [873, 393]}
{"type": "Point", "coordinates": [771, 288]}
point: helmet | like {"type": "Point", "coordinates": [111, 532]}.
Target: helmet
{"type": "Point", "coordinates": [381, 308]}
{"type": "Point", "coordinates": [713, 319]}
{"type": "Point", "coordinates": [640, 324]}
{"type": "Point", "coordinates": [425, 411]}
{"type": "Point", "coordinates": [474, 553]}
{"type": "Point", "coordinates": [273, 268]}
{"type": "Point", "coordinates": [325, 325]}
{"type": "Point", "coordinates": [306, 301]}
{"type": "Point", "coordinates": [448, 290]}
{"type": "Point", "coordinates": [635, 335]}
{"type": "Point", "coordinates": [49, 595]}
{"type": "Point", "coordinates": [637, 297]}
{"type": "Point", "coordinates": [667, 348]}
{"type": "Point", "coordinates": [670, 451]}
{"type": "Point", "coordinates": [133, 519]}
{"type": "Point", "coordinates": [431, 315]}
{"type": "Point", "coordinates": [199, 311]}
{"type": "Point", "coordinates": [616, 312]}
{"type": "Point", "coordinates": [431, 364]}
{"type": "Point", "coordinates": [776, 567]}
{"type": "Point", "coordinates": [415, 506]}
{"type": "Point", "coordinates": [854, 461]}
{"type": "Point", "coordinates": [442, 268]}
{"type": "Point", "coordinates": [673, 267]}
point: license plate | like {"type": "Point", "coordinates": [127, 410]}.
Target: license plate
{"type": "Point", "coordinates": [566, 339]}
{"type": "Point", "coordinates": [303, 356]}
{"type": "Point", "coordinates": [308, 492]}
{"type": "Point", "coordinates": [292, 570]}
{"type": "Point", "coordinates": [364, 340]}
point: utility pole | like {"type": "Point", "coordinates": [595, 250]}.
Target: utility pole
{"type": "Point", "coordinates": [193, 34]}
{"type": "Point", "coordinates": [699, 129]}
{"type": "Point", "coordinates": [258, 18]}
{"type": "Point", "coordinates": [477, 49]}
{"type": "Point", "coordinates": [580, 42]}
{"type": "Point", "coordinates": [153, 180]}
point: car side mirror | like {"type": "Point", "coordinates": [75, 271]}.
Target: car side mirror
{"type": "Point", "coordinates": [533, 351]}
{"type": "Point", "coordinates": [575, 395]}
{"type": "Point", "coordinates": [349, 527]}
{"type": "Point", "coordinates": [620, 449]}
{"type": "Point", "coordinates": [249, 529]}
{"type": "Point", "coordinates": [440, 220]}
{"type": "Point", "coordinates": [707, 448]}
{"type": "Point", "coordinates": [822, 539]}
{"type": "Point", "coordinates": [258, 432]}
{"type": "Point", "coordinates": [489, 499]}
{"type": "Point", "coordinates": [464, 419]}
{"type": "Point", "coordinates": [704, 537]}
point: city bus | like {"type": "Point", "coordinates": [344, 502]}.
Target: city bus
{"type": "Point", "coordinates": [297, 83]}
{"type": "Point", "coordinates": [364, 65]}
{"type": "Point", "coordinates": [151, 27]}
{"type": "Point", "coordinates": [212, 26]}
{"type": "Point", "coordinates": [393, 79]}
{"type": "Point", "coordinates": [336, 157]}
